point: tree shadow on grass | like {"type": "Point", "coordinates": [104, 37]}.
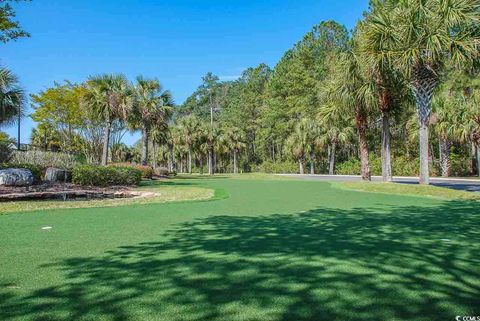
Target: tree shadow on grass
{"type": "Point", "coordinates": [402, 263]}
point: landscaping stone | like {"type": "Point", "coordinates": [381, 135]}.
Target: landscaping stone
{"type": "Point", "coordinates": [16, 177]}
{"type": "Point", "coordinates": [53, 174]}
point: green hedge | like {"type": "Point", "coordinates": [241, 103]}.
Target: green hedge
{"type": "Point", "coordinates": [401, 166]}
{"type": "Point", "coordinates": [460, 166]}
{"type": "Point", "coordinates": [36, 170]}
{"type": "Point", "coordinates": [105, 176]}
{"type": "Point", "coordinates": [279, 167]}
{"type": "Point", "coordinates": [147, 171]}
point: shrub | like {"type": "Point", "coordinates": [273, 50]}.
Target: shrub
{"type": "Point", "coordinates": [401, 166]}
{"type": "Point", "coordinates": [5, 151]}
{"type": "Point", "coordinates": [350, 167]}
{"type": "Point", "coordinates": [36, 170]}
{"type": "Point", "coordinates": [44, 159]}
{"type": "Point", "coordinates": [105, 176]}
{"type": "Point", "coordinates": [460, 166]}
{"type": "Point", "coordinates": [279, 167]}
{"type": "Point", "coordinates": [161, 171]}
{"type": "Point", "coordinates": [147, 171]}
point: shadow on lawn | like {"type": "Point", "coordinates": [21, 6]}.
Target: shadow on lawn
{"type": "Point", "coordinates": [326, 264]}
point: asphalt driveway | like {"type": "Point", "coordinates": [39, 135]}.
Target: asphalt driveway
{"type": "Point", "coordinates": [464, 184]}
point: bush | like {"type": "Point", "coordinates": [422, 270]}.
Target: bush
{"type": "Point", "coordinates": [279, 167]}
{"type": "Point", "coordinates": [350, 167]}
{"type": "Point", "coordinates": [105, 176]}
{"type": "Point", "coordinates": [401, 166]}
{"type": "Point", "coordinates": [161, 171]}
{"type": "Point", "coordinates": [36, 170]}
{"type": "Point", "coordinates": [5, 151]}
{"type": "Point", "coordinates": [147, 171]}
{"type": "Point", "coordinates": [460, 166]}
{"type": "Point", "coordinates": [44, 159]}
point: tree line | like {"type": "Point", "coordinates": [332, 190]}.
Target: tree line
{"type": "Point", "coordinates": [403, 84]}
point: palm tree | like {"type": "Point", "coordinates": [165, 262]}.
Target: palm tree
{"type": "Point", "coordinates": [110, 98]}
{"type": "Point", "coordinates": [300, 142]}
{"type": "Point", "coordinates": [388, 86]}
{"type": "Point", "coordinates": [449, 111]}
{"type": "Point", "coordinates": [349, 93]}
{"type": "Point", "coordinates": [419, 37]}
{"type": "Point", "coordinates": [235, 141]}
{"type": "Point", "coordinates": [152, 108]}
{"type": "Point", "coordinates": [12, 97]}
{"type": "Point", "coordinates": [160, 137]}
{"type": "Point", "coordinates": [189, 128]}
{"type": "Point", "coordinates": [211, 134]}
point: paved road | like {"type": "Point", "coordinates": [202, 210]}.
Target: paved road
{"type": "Point", "coordinates": [470, 185]}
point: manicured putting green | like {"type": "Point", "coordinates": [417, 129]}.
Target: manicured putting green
{"type": "Point", "coordinates": [272, 250]}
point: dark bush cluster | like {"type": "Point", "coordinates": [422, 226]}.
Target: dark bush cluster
{"type": "Point", "coordinates": [5, 151]}
{"type": "Point", "coordinates": [147, 171]}
{"type": "Point", "coordinates": [401, 166]}
{"type": "Point", "coordinates": [89, 175]}
{"type": "Point", "coordinates": [279, 167]}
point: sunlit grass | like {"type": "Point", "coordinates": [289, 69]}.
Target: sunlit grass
{"type": "Point", "coordinates": [164, 193]}
{"type": "Point", "coordinates": [259, 249]}
{"type": "Point", "coordinates": [409, 189]}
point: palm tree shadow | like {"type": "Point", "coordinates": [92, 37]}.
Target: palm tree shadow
{"type": "Point", "coordinates": [326, 264]}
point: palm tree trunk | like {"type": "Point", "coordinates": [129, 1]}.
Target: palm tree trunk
{"type": "Point", "coordinates": [386, 151]}
{"type": "Point", "coordinates": [361, 124]}
{"type": "Point", "coordinates": [189, 160]}
{"type": "Point", "coordinates": [210, 161]}
{"type": "Point", "coordinates": [144, 159]}
{"type": "Point", "coordinates": [106, 143]}
{"type": "Point", "coordinates": [445, 147]}
{"type": "Point", "coordinates": [424, 83]}
{"type": "Point", "coordinates": [300, 165]}
{"type": "Point", "coordinates": [235, 168]}
{"type": "Point", "coordinates": [154, 155]}
{"type": "Point", "coordinates": [331, 167]}
{"type": "Point", "coordinates": [170, 159]}
{"type": "Point", "coordinates": [424, 170]}
{"type": "Point", "coordinates": [200, 158]}
{"type": "Point", "coordinates": [478, 160]}
{"type": "Point", "coordinates": [312, 163]}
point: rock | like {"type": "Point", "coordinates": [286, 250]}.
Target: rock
{"type": "Point", "coordinates": [16, 177]}
{"type": "Point", "coordinates": [53, 174]}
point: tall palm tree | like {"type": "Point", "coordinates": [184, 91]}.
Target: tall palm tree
{"type": "Point", "coordinates": [449, 116]}
{"type": "Point", "coordinates": [235, 141]}
{"type": "Point", "coordinates": [211, 133]}
{"type": "Point", "coordinates": [109, 97]}
{"type": "Point", "coordinates": [349, 93]}
{"type": "Point", "coordinates": [160, 137]}
{"type": "Point", "coordinates": [389, 85]}
{"type": "Point", "coordinates": [301, 141]}
{"type": "Point", "coordinates": [12, 97]}
{"type": "Point", "coordinates": [419, 37]}
{"type": "Point", "coordinates": [152, 108]}
{"type": "Point", "coordinates": [189, 128]}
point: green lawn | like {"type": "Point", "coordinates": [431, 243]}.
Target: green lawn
{"type": "Point", "coordinates": [260, 250]}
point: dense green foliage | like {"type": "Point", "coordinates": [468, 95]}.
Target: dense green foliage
{"type": "Point", "coordinates": [147, 171]}
{"type": "Point", "coordinates": [105, 175]}
{"type": "Point", "coordinates": [9, 28]}
{"type": "Point", "coordinates": [287, 167]}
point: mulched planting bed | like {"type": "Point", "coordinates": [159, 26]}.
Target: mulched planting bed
{"type": "Point", "coordinates": [63, 192]}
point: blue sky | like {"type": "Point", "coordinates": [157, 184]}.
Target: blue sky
{"type": "Point", "coordinates": [175, 41]}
